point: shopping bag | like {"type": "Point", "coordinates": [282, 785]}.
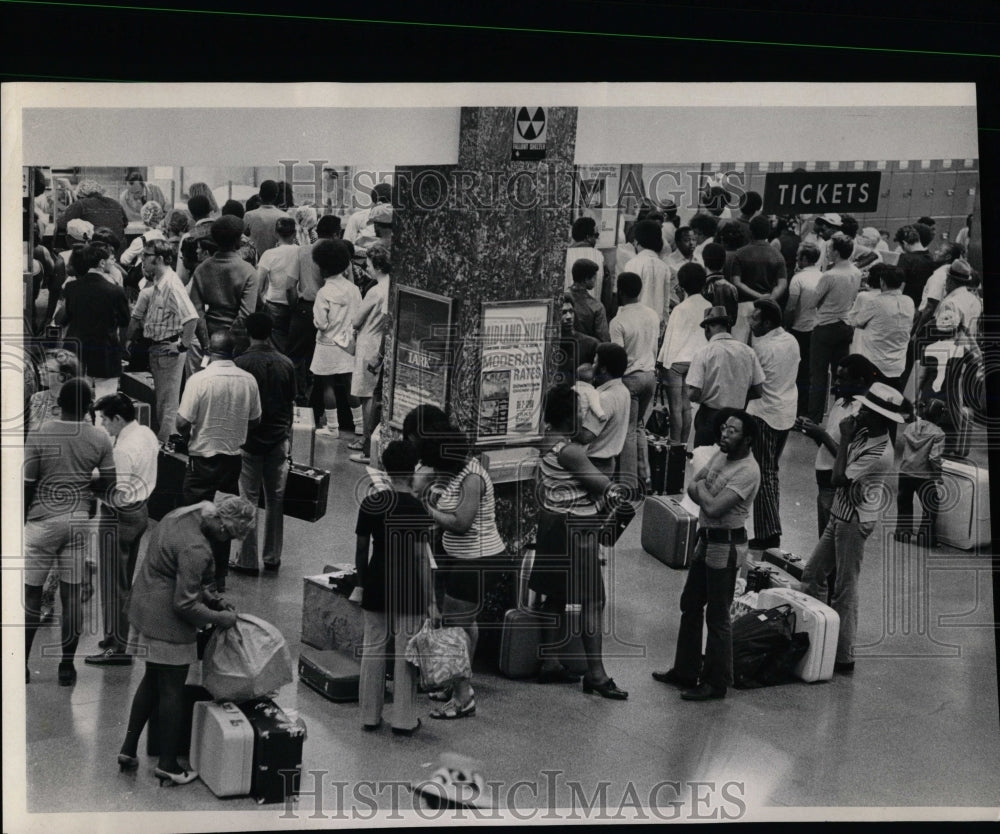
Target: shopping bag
{"type": "Point", "coordinates": [441, 655]}
{"type": "Point", "coordinates": [249, 660]}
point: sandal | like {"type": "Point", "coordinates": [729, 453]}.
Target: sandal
{"type": "Point", "coordinates": [356, 446]}
{"type": "Point", "coordinates": [443, 695]}
{"type": "Point", "coordinates": [451, 710]}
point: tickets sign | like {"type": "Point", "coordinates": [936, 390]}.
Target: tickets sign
{"type": "Point", "coordinates": [818, 192]}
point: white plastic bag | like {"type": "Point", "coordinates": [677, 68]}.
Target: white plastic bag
{"type": "Point", "coordinates": [441, 654]}
{"type": "Point", "coordinates": [249, 660]}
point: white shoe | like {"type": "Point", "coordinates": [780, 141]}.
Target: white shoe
{"type": "Point", "coordinates": [327, 431]}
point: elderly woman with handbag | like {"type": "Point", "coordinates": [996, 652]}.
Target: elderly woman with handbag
{"type": "Point", "coordinates": [168, 603]}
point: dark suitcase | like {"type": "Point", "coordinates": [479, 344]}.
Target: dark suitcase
{"type": "Point", "coordinates": [169, 491]}
{"type": "Point", "coordinates": [138, 386]}
{"type": "Point", "coordinates": [190, 695]}
{"type": "Point", "coordinates": [334, 675]}
{"type": "Point", "coordinates": [306, 492]}
{"type": "Point", "coordinates": [668, 531]}
{"type": "Point", "coordinates": [277, 750]}
{"type": "Point", "coordinates": [762, 575]}
{"type": "Point", "coordinates": [667, 463]}
{"type": "Point", "coordinates": [786, 560]}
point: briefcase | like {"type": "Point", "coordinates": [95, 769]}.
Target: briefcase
{"type": "Point", "coordinates": [169, 492]}
{"type": "Point", "coordinates": [306, 492]}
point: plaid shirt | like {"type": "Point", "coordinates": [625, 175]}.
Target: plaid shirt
{"type": "Point", "coordinates": [164, 308]}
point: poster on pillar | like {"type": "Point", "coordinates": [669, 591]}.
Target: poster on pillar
{"type": "Point", "coordinates": [529, 134]}
{"type": "Point", "coordinates": [512, 370]}
{"type": "Point", "coordinates": [423, 338]}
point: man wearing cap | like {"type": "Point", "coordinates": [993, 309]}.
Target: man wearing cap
{"type": "Point", "coordinates": [723, 374]}
{"type": "Point", "coordinates": [219, 406]}
{"type": "Point", "coordinates": [758, 270]}
{"type": "Point", "coordinates": [94, 206]}
{"type": "Point", "coordinates": [381, 193]}
{"type": "Point", "coordinates": [960, 309]}
{"type": "Point", "coordinates": [223, 288]}
{"type": "Point", "coordinates": [864, 459]}
{"type": "Point", "coordinates": [882, 320]}
{"type": "Point", "coordinates": [831, 335]}
{"type": "Point", "coordinates": [164, 314]}
{"type": "Point", "coordinates": [658, 284]}
{"type": "Point", "coordinates": [825, 227]}
{"type": "Point", "coordinates": [773, 412]}
{"type": "Point", "coordinates": [259, 223]}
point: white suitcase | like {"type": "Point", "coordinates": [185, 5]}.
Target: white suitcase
{"type": "Point", "coordinates": [222, 747]}
{"type": "Point", "coordinates": [819, 621]}
{"type": "Point", "coordinates": [964, 518]}
{"type": "Point", "coordinates": [303, 436]}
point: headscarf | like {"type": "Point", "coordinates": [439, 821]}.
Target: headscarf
{"type": "Point", "coordinates": [152, 214]}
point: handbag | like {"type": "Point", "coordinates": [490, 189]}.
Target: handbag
{"type": "Point", "coordinates": [658, 422]}
{"type": "Point", "coordinates": [441, 655]}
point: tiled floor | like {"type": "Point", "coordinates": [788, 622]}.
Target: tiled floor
{"type": "Point", "coordinates": [915, 726]}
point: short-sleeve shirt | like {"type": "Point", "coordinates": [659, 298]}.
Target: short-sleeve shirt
{"type": "Point", "coordinates": [759, 266]}
{"type": "Point", "coordinates": [655, 275]}
{"type": "Point", "coordinates": [391, 577]}
{"type": "Point", "coordinates": [637, 329]}
{"type": "Point", "coordinates": [840, 410]}
{"type": "Point", "coordinates": [280, 266]}
{"type": "Point", "coordinates": [869, 460]}
{"type": "Point", "coordinates": [802, 298]}
{"type": "Point", "coordinates": [835, 293]}
{"type": "Point", "coordinates": [724, 370]}
{"type": "Point", "coordinates": [609, 433]}
{"type": "Point", "coordinates": [219, 402]}
{"type": "Point", "coordinates": [60, 457]}
{"type": "Point", "coordinates": [742, 477]}
{"type": "Point", "coordinates": [482, 539]}
{"type": "Point", "coordinates": [778, 353]}
{"type": "Point", "coordinates": [164, 308]}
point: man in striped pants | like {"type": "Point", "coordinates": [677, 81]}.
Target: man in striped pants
{"type": "Point", "coordinates": [773, 413]}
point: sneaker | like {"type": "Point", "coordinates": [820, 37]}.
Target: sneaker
{"type": "Point", "coordinates": [361, 457]}
{"type": "Point", "coordinates": [328, 431]}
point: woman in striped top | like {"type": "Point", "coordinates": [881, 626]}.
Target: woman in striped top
{"type": "Point", "coordinates": [573, 495]}
{"type": "Point", "coordinates": [465, 509]}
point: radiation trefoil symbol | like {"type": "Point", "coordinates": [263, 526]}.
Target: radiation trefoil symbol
{"type": "Point", "coordinates": [530, 126]}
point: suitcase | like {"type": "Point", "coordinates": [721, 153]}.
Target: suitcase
{"type": "Point", "coordinates": [964, 518]}
{"type": "Point", "coordinates": [667, 462]}
{"type": "Point", "coordinates": [143, 413]}
{"type": "Point", "coordinates": [138, 385]}
{"type": "Point", "coordinates": [819, 621]}
{"type": "Point", "coordinates": [786, 560]}
{"type": "Point", "coordinates": [668, 531]}
{"type": "Point", "coordinates": [306, 492]}
{"type": "Point", "coordinates": [191, 695]}
{"type": "Point", "coordinates": [277, 750]}
{"type": "Point", "coordinates": [334, 675]}
{"type": "Point", "coordinates": [222, 748]}
{"type": "Point", "coordinates": [755, 571]}
{"type": "Point", "coordinates": [169, 491]}
{"type": "Point", "coordinates": [303, 435]}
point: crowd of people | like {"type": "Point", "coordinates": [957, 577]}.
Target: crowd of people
{"type": "Point", "coordinates": [245, 312]}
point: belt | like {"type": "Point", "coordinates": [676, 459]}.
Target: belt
{"type": "Point", "coordinates": [167, 340]}
{"type": "Point", "coordinates": [718, 535]}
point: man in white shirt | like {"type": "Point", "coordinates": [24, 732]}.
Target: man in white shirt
{"type": "Point", "coordinates": [773, 412]}
{"type": "Point", "coordinates": [356, 223]}
{"type": "Point", "coordinates": [703, 228]}
{"type": "Point", "coordinates": [277, 274]}
{"type": "Point", "coordinates": [605, 436]}
{"type": "Point", "coordinates": [219, 405]}
{"type": "Point", "coordinates": [123, 521]}
{"type": "Point", "coordinates": [584, 245]}
{"type": "Point", "coordinates": [800, 313]}
{"type": "Point", "coordinates": [882, 321]}
{"type": "Point", "coordinates": [636, 328]}
{"type": "Point", "coordinates": [960, 309]}
{"type": "Point", "coordinates": [258, 223]}
{"type": "Point", "coordinates": [654, 273]}
{"type": "Point", "coordinates": [684, 251]}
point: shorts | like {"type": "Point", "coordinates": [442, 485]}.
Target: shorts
{"type": "Point", "coordinates": [567, 566]}
{"type": "Point", "coordinates": [62, 542]}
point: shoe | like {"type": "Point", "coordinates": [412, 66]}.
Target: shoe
{"type": "Point", "coordinates": [371, 728]}
{"type": "Point", "coordinates": [235, 568]}
{"type": "Point", "coordinates": [361, 457]}
{"type": "Point", "coordinates": [405, 731]}
{"type": "Point", "coordinates": [114, 656]}
{"type": "Point", "coordinates": [67, 673]}
{"type": "Point", "coordinates": [107, 643]}
{"type": "Point", "coordinates": [845, 666]}
{"type": "Point", "coordinates": [126, 762]}
{"type": "Point", "coordinates": [704, 692]}
{"type": "Point", "coordinates": [167, 778]}
{"type": "Point", "coordinates": [605, 690]}
{"type": "Point", "coordinates": [560, 675]}
{"type": "Point", "coordinates": [674, 678]}
{"type": "Point", "coordinates": [442, 695]}
{"type": "Point", "coordinates": [272, 567]}
{"type": "Point", "coordinates": [451, 710]}
{"type": "Point", "coordinates": [764, 544]}
{"type": "Point", "coordinates": [327, 431]}
{"type": "Point", "coordinates": [356, 446]}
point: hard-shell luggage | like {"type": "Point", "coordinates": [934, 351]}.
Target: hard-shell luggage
{"type": "Point", "coordinates": [169, 491]}
{"type": "Point", "coordinates": [760, 575]}
{"type": "Point", "coordinates": [964, 516]}
{"type": "Point", "coordinates": [819, 621]}
{"type": "Point", "coordinates": [303, 435]}
{"type": "Point", "coordinates": [190, 695]}
{"type": "Point", "coordinates": [668, 531]}
{"type": "Point", "coordinates": [334, 675]}
{"type": "Point", "coordinates": [222, 747]}
{"type": "Point", "coordinates": [786, 560]}
{"type": "Point", "coordinates": [306, 492]}
{"type": "Point", "coordinates": [143, 413]}
{"type": "Point", "coordinates": [277, 750]}
{"type": "Point", "coordinates": [667, 464]}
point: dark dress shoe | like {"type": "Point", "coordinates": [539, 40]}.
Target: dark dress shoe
{"type": "Point", "coordinates": [405, 731]}
{"type": "Point", "coordinates": [674, 678]}
{"type": "Point", "coordinates": [764, 544]}
{"type": "Point", "coordinates": [234, 568]}
{"type": "Point", "coordinates": [114, 656]}
{"type": "Point", "coordinates": [845, 666]}
{"type": "Point", "coordinates": [704, 692]}
{"type": "Point", "coordinates": [271, 567]}
{"type": "Point", "coordinates": [605, 690]}
{"type": "Point", "coordinates": [67, 674]}
{"type": "Point", "coordinates": [371, 728]}
{"type": "Point", "coordinates": [560, 675]}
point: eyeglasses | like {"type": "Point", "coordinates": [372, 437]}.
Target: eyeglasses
{"type": "Point", "coordinates": [149, 254]}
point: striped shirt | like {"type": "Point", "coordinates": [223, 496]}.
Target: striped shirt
{"type": "Point", "coordinates": [869, 459]}
{"type": "Point", "coordinates": [164, 308]}
{"type": "Point", "coordinates": [560, 490]}
{"type": "Point", "coordinates": [482, 538]}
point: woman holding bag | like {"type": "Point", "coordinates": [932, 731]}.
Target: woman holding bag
{"type": "Point", "coordinates": [167, 606]}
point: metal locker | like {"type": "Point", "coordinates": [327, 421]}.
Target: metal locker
{"type": "Point", "coordinates": [966, 180]}
{"type": "Point", "coordinates": [898, 191]}
{"type": "Point", "coordinates": [922, 198]}
{"type": "Point", "coordinates": [945, 184]}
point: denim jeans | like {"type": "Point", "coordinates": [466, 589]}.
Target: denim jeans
{"type": "Point", "coordinates": [634, 463]}
{"type": "Point", "coordinates": [281, 316]}
{"type": "Point", "coordinates": [841, 547]}
{"type": "Point", "coordinates": [269, 469]}
{"type": "Point", "coordinates": [166, 364]}
{"type": "Point", "coordinates": [705, 600]}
